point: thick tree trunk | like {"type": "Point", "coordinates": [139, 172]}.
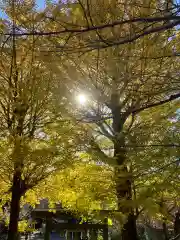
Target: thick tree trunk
{"type": "Point", "coordinates": [124, 191]}
{"type": "Point", "coordinates": [123, 177]}
{"type": "Point", "coordinates": [15, 207]}
{"type": "Point", "coordinates": [129, 231]}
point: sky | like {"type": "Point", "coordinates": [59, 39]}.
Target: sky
{"type": "Point", "coordinates": [40, 5]}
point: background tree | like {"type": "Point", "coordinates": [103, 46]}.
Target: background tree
{"type": "Point", "coordinates": [81, 188]}
{"type": "Point", "coordinates": [155, 165]}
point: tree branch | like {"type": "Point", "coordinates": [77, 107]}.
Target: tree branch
{"type": "Point", "coordinates": [110, 25]}
{"type": "Point", "coordinates": [130, 39]}
{"type": "Point", "coordinates": [175, 238]}
{"type": "Point", "coordinates": [95, 148]}
{"type": "Point", "coordinates": [171, 98]}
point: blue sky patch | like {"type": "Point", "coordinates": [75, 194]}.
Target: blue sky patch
{"type": "Point", "coordinates": [41, 4]}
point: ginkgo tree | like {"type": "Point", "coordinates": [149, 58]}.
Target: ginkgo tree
{"type": "Point", "coordinates": [122, 82]}
{"type": "Point", "coordinates": [82, 188]}
{"type": "Point", "coordinates": [30, 149]}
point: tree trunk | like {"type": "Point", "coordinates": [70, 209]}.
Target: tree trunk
{"type": "Point", "coordinates": [15, 206]}
{"type": "Point", "coordinates": [177, 223]}
{"type": "Point", "coordinates": [124, 191]}
{"type": "Point", "coordinates": [47, 230]}
{"type": "Point", "coordinates": [129, 231]}
{"type": "Point", "coordinates": [165, 231]}
{"type": "Point", "coordinates": [123, 177]}
{"type": "Point", "coordinates": [26, 236]}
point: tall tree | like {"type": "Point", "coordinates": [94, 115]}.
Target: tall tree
{"type": "Point", "coordinates": [121, 83]}
{"type": "Point", "coordinates": [32, 149]}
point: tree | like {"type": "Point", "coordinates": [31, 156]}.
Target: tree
{"type": "Point", "coordinates": [121, 83]}
{"type": "Point", "coordinates": [30, 149]}
{"type": "Point", "coordinates": [81, 188]}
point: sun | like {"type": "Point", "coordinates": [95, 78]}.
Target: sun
{"type": "Point", "coordinates": [82, 99]}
